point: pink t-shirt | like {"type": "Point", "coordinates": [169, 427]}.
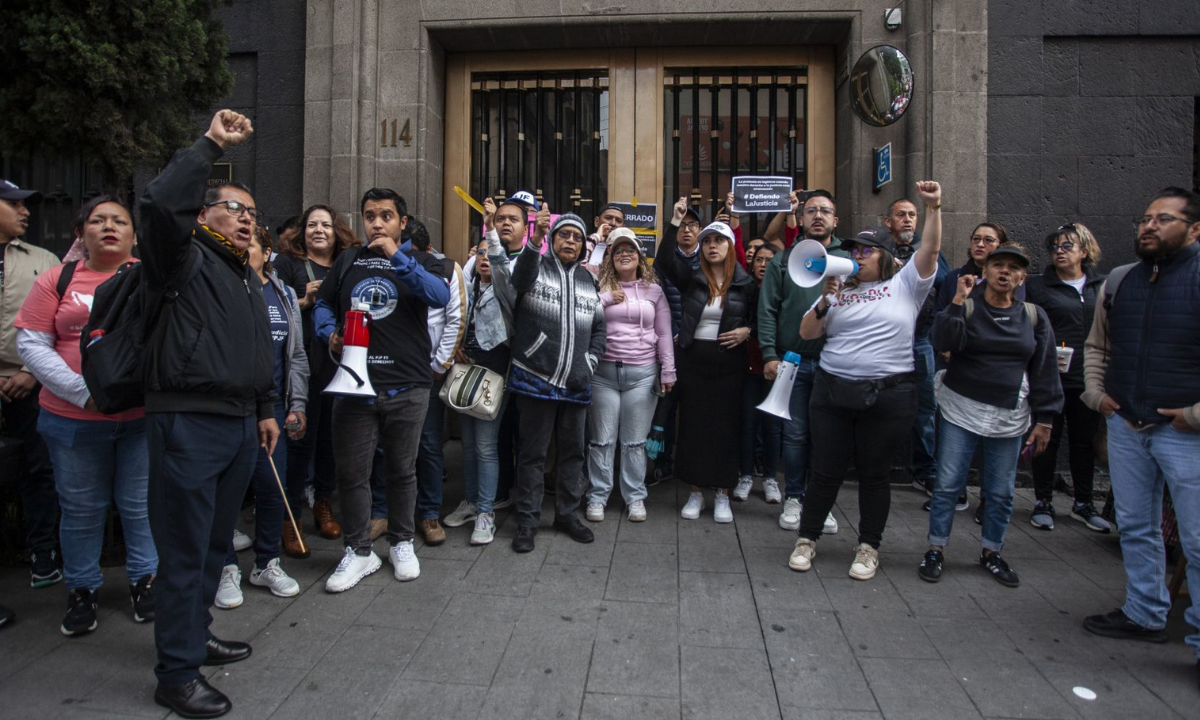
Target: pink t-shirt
{"type": "Point", "coordinates": [44, 312]}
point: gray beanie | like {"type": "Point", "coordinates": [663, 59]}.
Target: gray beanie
{"type": "Point", "coordinates": [569, 219]}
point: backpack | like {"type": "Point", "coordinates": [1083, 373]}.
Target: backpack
{"type": "Point", "coordinates": [113, 345]}
{"type": "Point", "coordinates": [1113, 283]}
{"type": "Point", "coordinates": [1030, 311]}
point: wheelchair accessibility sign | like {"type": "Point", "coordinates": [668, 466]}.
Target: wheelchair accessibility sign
{"type": "Point", "coordinates": [883, 165]}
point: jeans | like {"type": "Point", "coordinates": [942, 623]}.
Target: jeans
{"type": "Point", "coordinates": [311, 457]}
{"type": "Point", "coordinates": [539, 420]}
{"type": "Point", "coordinates": [997, 481]}
{"type": "Point", "coordinates": [1140, 463]}
{"type": "Point", "coordinates": [430, 460]}
{"type": "Point", "coordinates": [1083, 422]}
{"type": "Point", "coordinates": [39, 501]}
{"type": "Point", "coordinates": [358, 426]}
{"type": "Point", "coordinates": [200, 466]}
{"type": "Point", "coordinates": [269, 514]}
{"type": "Point", "coordinates": [481, 457]}
{"type": "Point", "coordinates": [873, 431]}
{"type": "Point", "coordinates": [623, 403]}
{"type": "Point", "coordinates": [756, 423]}
{"type": "Point", "coordinates": [924, 430]}
{"type": "Point", "coordinates": [98, 463]}
{"type": "Point", "coordinates": [795, 432]}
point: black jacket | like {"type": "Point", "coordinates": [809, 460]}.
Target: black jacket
{"type": "Point", "coordinates": [740, 299]}
{"type": "Point", "coordinates": [1070, 315]}
{"type": "Point", "coordinates": [216, 354]}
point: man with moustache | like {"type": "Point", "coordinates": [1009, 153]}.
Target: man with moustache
{"type": "Point", "coordinates": [1142, 372]}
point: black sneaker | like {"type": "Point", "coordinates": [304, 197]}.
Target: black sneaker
{"type": "Point", "coordinates": [6, 615]}
{"type": "Point", "coordinates": [81, 613]}
{"type": "Point", "coordinates": [926, 505]}
{"type": "Point", "coordinates": [978, 512]}
{"type": "Point", "coordinates": [142, 596]}
{"type": "Point", "coordinates": [575, 529]}
{"type": "Point", "coordinates": [931, 567]}
{"type": "Point", "coordinates": [963, 504]}
{"type": "Point", "coordinates": [1117, 624]}
{"type": "Point", "coordinates": [925, 485]}
{"type": "Point", "coordinates": [523, 540]}
{"type": "Point", "coordinates": [1088, 515]}
{"type": "Point", "coordinates": [45, 570]}
{"type": "Point", "coordinates": [999, 569]}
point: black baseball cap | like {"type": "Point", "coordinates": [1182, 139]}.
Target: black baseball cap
{"type": "Point", "coordinates": [694, 213]}
{"type": "Point", "coordinates": [611, 206]}
{"type": "Point", "coordinates": [9, 191]}
{"type": "Point", "coordinates": [1011, 251]}
{"type": "Point", "coordinates": [874, 237]}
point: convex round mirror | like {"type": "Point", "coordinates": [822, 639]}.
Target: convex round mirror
{"type": "Point", "coordinates": [881, 85]}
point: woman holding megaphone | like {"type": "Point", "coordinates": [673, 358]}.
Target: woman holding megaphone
{"type": "Point", "coordinates": [864, 393]}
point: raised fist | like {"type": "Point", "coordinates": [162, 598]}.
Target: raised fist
{"type": "Point", "coordinates": [229, 128]}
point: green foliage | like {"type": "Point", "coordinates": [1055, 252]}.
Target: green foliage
{"type": "Point", "coordinates": [119, 81]}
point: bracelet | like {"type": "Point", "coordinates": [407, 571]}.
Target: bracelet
{"type": "Point", "coordinates": [1046, 425]}
{"type": "Point", "coordinates": [933, 207]}
{"type": "Point", "coordinates": [821, 313]}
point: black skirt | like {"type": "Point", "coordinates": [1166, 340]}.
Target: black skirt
{"type": "Point", "coordinates": [710, 386]}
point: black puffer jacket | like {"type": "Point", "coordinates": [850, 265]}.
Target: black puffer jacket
{"type": "Point", "coordinates": [1070, 315]}
{"type": "Point", "coordinates": [741, 299]}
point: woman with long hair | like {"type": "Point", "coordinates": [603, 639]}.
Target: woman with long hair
{"type": "Point", "coordinates": [98, 459]}
{"type": "Point", "coordinates": [639, 355]}
{"type": "Point", "coordinates": [864, 394]}
{"type": "Point", "coordinates": [718, 310]}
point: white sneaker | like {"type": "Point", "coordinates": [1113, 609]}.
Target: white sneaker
{"type": "Point", "coordinates": [831, 526]}
{"type": "Point", "coordinates": [352, 568]}
{"type": "Point", "coordinates": [802, 556]}
{"type": "Point", "coordinates": [595, 512]}
{"type": "Point", "coordinates": [742, 491]}
{"type": "Point", "coordinates": [789, 519]}
{"type": "Point", "coordinates": [722, 512]}
{"type": "Point", "coordinates": [229, 591]}
{"type": "Point", "coordinates": [241, 541]}
{"type": "Point", "coordinates": [404, 561]}
{"type": "Point", "coordinates": [693, 507]}
{"type": "Point", "coordinates": [866, 562]}
{"type": "Point", "coordinates": [771, 491]}
{"type": "Point", "coordinates": [463, 514]}
{"type": "Point", "coordinates": [637, 511]}
{"type": "Point", "coordinates": [485, 529]}
{"type": "Point", "coordinates": [273, 577]}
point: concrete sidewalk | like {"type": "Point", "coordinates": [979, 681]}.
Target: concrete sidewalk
{"type": "Point", "coordinates": [663, 619]}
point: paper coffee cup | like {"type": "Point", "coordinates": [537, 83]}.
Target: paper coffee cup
{"type": "Point", "coordinates": [1064, 355]}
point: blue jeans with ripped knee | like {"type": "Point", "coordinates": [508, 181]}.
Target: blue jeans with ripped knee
{"type": "Point", "coordinates": [621, 412]}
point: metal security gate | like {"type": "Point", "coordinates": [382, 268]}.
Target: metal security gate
{"type": "Point", "coordinates": [545, 132]}
{"type": "Point", "coordinates": [722, 122]}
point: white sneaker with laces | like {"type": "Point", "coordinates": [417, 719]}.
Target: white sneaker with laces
{"type": "Point", "coordinates": [722, 511]}
{"type": "Point", "coordinates": [771, 491]}
{"type": "Point", "coordinates": [229, 591]}
{"type": "Point", "coordinates": [595, 511]}
{"type": "Point", "coordinates": [742, 491]}
{"type": "Point", "coordinates": [789, 519]}
{"type": "Point", "coordinates": [866, 562]}
{"type": "Point", "coordinates": [274, 578]}
{"type": "Point", "coordinates": [404, 561]}
{"type": "Point", "coordinates": [463, 514]}
{"type": "Point", "coordinates": [831, 526]}
{"type": "Point", "coordinates": [803, 554]}
{"type": "Point", "coordinates": [637, 511]}
{"type": "Point", "coordinates": [485, 529]}
{"type": "Point", "coordinates": [693, 507]}
{"type": "Point", "coordinates": [352, 568]}
{"type": "Point", "coordinates": [241, 541]}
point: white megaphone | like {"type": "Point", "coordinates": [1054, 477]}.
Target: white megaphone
{"type": "Point", "coordinates": [810, 264]}
{"type": "Point", "coordinates": [781, 391]}
{"type": "Point", "coordinates": [351, 378]}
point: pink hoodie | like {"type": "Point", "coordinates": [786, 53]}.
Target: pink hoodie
{"type": "Point", "coordinates": [639, 329]}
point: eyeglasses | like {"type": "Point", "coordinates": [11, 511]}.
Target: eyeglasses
{"type": "Point", "coordinates": [981, 240]}
{"type": "Point", "coordinates": [235, 208]}
{"type": "Point", "coordinates": [827, 212]}
{"type": "Point", "coordinates": [569, 235]}
{"type": "Point", "coordinates": [690, 226]}
{"type": "Point", "coordinates": [624, 249]}
{"type": "Point", "coordinates": [862, 251]}
{"type": "Point", "coordinates": [1066, 246]}
{"type": "Point", "coordinates": [481, 252]}
{"type": "Point", "coordinates": [1161, 219]}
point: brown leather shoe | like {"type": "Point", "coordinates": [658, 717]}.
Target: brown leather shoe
{"type": "Point", "coordinates": [378, 527]}
{"type": "Point", "coordinates": [291, 542]}
{"type": "Point", "coordinates": [326, 525]}
{"type": "Point", "coordinates": [433, 532]}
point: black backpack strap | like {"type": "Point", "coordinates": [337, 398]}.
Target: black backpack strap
{"type": "Point", "coordinates": [64, 278]}
{"type": "Point", "coordinates": [312, 276]}
{"type": "Point", "coordinates": [1113, 283]}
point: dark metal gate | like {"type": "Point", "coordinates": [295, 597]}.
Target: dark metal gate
{"type": "Point", "coordinates": [65, 186]}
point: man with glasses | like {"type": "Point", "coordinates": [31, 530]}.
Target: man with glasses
{"type": "Point", "coordinates": [208, 402]}
{"type": "Point", "coordinates": [781, 306]}
{"type": "Point", "coordinates": [1142, 372]}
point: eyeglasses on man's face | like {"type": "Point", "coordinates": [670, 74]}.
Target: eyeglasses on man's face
{"type": "Point", "coordinates": [693, 225]}
{"type": "Point", "coordinates": [984, 240]}
{"type": "Point", "coordinates": [1161, 219]}
{"type": "Point", "coordinates": [235, 208]}
{"type": "Point", "coordinates": [814, 211]}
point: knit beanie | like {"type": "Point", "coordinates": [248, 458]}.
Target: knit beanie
{"type": "Point", "coordinates": [568, 219]}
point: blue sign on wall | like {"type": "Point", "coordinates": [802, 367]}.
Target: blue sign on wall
{"type": "Point", "coordinates": [883, 166]}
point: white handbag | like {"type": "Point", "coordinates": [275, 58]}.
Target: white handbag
{"type": "Point", "coordinates": [473, 390]}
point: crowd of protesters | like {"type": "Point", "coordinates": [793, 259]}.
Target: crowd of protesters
{"type": "Point", "coordinates": [571, 360]}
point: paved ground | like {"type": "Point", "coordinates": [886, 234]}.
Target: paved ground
{"type": "Point", "coordinates": [665, 619]}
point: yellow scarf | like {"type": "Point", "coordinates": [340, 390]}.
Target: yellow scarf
{"type": "Point", "coordinates": [237, 252]}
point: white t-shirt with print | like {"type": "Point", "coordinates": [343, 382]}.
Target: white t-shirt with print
{"type": "Point", "coordinates": [869, 329]}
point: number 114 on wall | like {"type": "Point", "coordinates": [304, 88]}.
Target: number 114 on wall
{"type": "Point", "coordinates": [404, 136]}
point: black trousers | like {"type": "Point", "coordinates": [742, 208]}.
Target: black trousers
{"type": "Point", "coordinates": [540, 419]}
{"type": "Point", "coordinates": [1081, 451]}
{"type": "Point", "coordinates": [39, 499]}
{"type": "Point", "coordinates": [845, 424]}
{"type": "Point", "coordinates": [200, 467]}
